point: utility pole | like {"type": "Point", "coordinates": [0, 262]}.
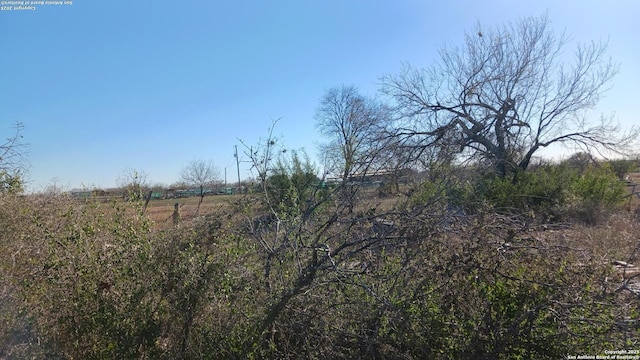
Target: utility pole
{"type": "Point", "coordinates": [225, 178]}
{"type": "Point", "coordinates": [237, 165]}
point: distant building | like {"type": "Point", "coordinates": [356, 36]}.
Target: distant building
{"type": "Point", "coordinates": [81, 194]}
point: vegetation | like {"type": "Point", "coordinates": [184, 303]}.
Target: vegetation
{"type": "Point", "coordinates": [505, 95]}
{"type": "Point", "coordinates": [134, 182]}
{"type": "Point", "coordinates": [415, 279]}
{"type": "Point", "coordinates": [350, 122]}
{"type": "Point", "coordinates": [462, 262]}
{"type": "Point", "coordinates": [11, 183]}
{"type": "Point", "coordinates": [12, 162]}
{"type": "Point", "coordinates": [201, 174]}
{"type": "Point", "coordinates": [556, 192]}
{"type": "Point", "coordinates": [291, 182]}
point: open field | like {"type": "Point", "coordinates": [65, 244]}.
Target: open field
{"type": "Point", "coordinates": [160, 210]}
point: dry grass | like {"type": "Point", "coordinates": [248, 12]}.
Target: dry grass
{"type": "Point", "coordinates": [160, 211]}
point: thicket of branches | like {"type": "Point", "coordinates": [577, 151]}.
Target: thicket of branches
{"type": "Point", "coordinates": [293, 272]}
{"type": "Point", "coordinates": [505, 95]}
{"type": "Point", "coordinates": [13, 162]}
{"type": "Point", "coordinates": [454, 261]}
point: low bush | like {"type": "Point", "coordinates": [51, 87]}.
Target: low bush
{"type": "Point", "coordinates": [94, 281]}
{"type": "Point", "coordinates": [555, 193]}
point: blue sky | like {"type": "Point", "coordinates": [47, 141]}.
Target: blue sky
{"type": "Point", "coordinates": [103, 86]}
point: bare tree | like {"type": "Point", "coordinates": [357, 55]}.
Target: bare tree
{"type": "Point", "coordinates": [200, 173]}
{"type": "Point", "coordinates": [507, 94]}
{"type": "Point", "coordinates": [350, 122]}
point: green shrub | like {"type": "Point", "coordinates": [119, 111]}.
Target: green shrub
{"type": "Point", "coordinates": [290, 185]}
{"type": "Point", "coordinates": [554, 193]}
{"type": "Point", "coordinates": [622, 167]}
{"type": "Point", "coordinates": [11, 183]}
{"type": "Point", "coordinates": [539, 193]}
{"type": "Point", "coordinates": [94, 281]}
{"type": "Point", "coordinates": [594, 193]}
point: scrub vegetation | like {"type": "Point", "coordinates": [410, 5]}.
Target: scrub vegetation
{"type": "Point", "coordinates": [440, 236]}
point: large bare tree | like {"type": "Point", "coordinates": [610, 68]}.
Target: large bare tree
{"type": "Point", "coordinates": [506, 94]}
{"type": "Point", "coordinates": [350, 122]}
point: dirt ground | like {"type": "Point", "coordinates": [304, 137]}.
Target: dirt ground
{"type": "Point", "coordinates": [160, 211]}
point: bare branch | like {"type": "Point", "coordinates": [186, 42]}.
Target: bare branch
{"type": "Point", "coordinates": [200, 173]}
{"type": "Point", "coordinates": [13, 151]}
{"type": "Point", "coordinates": [507, 94]}
{"type": "Point", "coordinates": [350, 122]}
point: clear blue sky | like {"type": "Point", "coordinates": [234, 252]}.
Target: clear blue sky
{"type": "Point", "coordinates": [102, 86]}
